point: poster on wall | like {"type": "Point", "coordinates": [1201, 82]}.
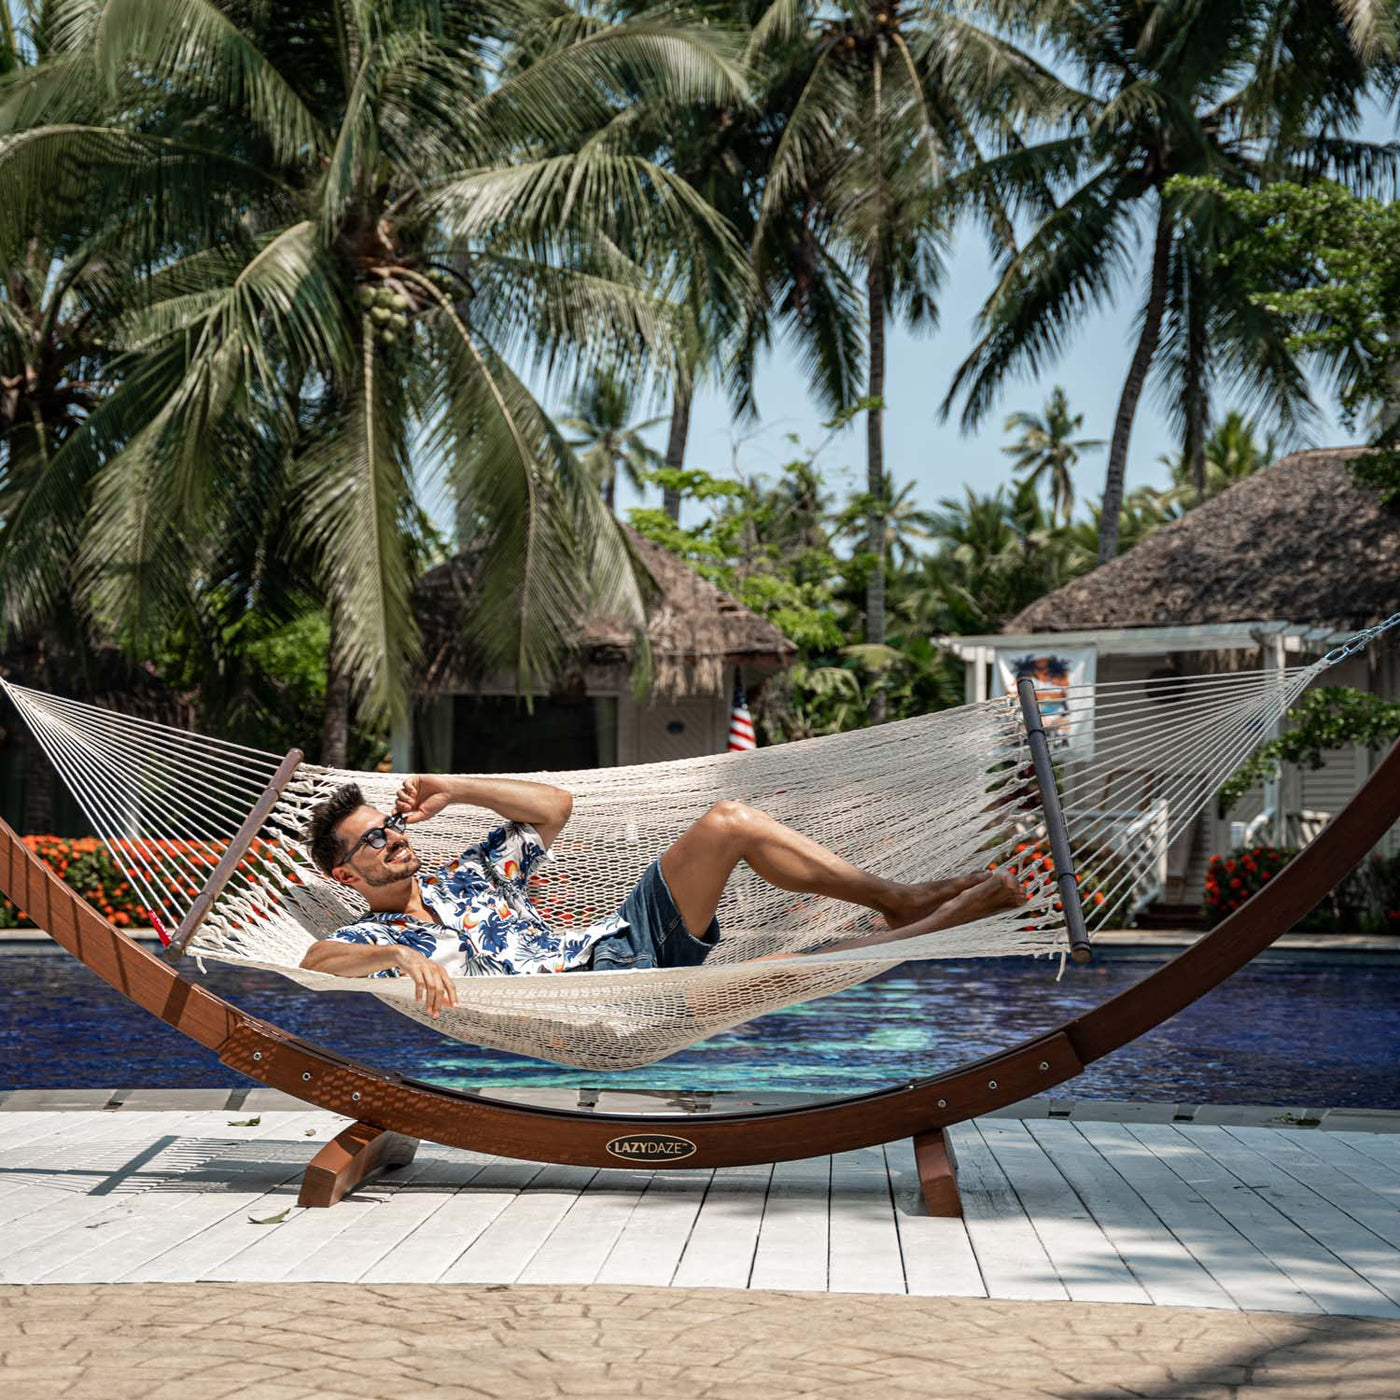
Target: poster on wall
{"type": "Point", "coordinates": [1063, 677]}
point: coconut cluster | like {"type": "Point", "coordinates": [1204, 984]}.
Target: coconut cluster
{"type": "Point", "coordinates": [388, 311]}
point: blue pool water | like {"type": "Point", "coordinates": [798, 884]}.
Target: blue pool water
{"type": "Point", "coordinates": [1314, 1033]}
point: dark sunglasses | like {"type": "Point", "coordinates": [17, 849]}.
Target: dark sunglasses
{"type": "Point", "coordinates": [377, 837]}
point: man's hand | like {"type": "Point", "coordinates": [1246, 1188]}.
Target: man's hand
{"type": "Point", "coordinates": [419, 799]}
{"type": "Point", "coordinates": [432, 987]}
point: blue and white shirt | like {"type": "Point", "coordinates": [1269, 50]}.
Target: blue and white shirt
{"type": "Point", "coordinates": [488, 925]}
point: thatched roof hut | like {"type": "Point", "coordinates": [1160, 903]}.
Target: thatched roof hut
{"type": "Point", "coordinates": [697, 631]}
{"type": "Point", "coordinates": [1300, 540]}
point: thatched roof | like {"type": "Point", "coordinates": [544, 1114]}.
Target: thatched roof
{"type": "Point", "coordinates": [1298, 542]}
{"type": "Point", "coordinates": [696, 630]}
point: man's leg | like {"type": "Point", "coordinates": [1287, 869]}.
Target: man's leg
{"type": "Point", "coordinates": [697, 866]}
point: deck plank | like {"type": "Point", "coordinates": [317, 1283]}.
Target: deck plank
{"type": "Point", "coordinates": [1335, 1287]}
{"type": "Point", "coordinates": [503, 1250]}
{"type": "Point", "coordinates": [651, 1243]}
{"type": "Point", "coordinates": [794, 1235]}
{"type": "Point", "coordinates": [402, 1201]}
{"type": "Point", "coordinates": [1362, 1202]}
{"type": "Point", "coordinates": [864, 1254]}
{"type": "Point", "coordinates": [1165, 1268]}
{"type": "Point", "coordinates": [1348, 1158]}
{"type": "Point", "coordinates": [83, 1237]}
{"type": "Point", "coordinates": [432, 1247]}
{"type": "Point", "coordinates": [195, 1203]}
{"type": "Point", "coordinates": [724, 1240]}
{"type": "Point", "coordinates": [1010, 1255]}
{"type": "Point", "coordinates": [1083, 1256]}
{"type": "Point", "coordinates": [1245, 1273]}
{"type": "Point", "coordinates": [1371, 1257]}
{"type": "Point", "coordinates": [936, 1252]}
{"type": "Point", "coordinates": [579, 1245]}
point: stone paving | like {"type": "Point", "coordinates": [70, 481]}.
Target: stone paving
{"type": "Point", "coordinates": [443, 1342]}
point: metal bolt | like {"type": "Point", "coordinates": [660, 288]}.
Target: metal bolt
{"type": "Point", "coordinates": [257, 1054]}
{"type": "Point", "coordinates": [943, 1103]}
{"type": "Point", "coordinates": [1045, 1064]}
{"type": "Point", "coordinates": [355, 1097]}
{"type": "Point", "coordinates": [307, 1075]}
{"type": "Point", "coordinates": [991, 1084]}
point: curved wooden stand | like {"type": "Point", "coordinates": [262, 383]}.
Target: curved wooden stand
{"type": "Point", "coordinates": [388, 1102]}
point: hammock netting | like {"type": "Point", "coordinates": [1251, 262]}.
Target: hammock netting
{"type": "Point", "coordinates": [914, 800]}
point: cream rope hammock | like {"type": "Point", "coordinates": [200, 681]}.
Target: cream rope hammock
{"type": "Point", "coordinates": [915, 800]}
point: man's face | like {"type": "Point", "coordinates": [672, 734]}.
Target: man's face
{"type": "Point", "coordinates": [392, 865]}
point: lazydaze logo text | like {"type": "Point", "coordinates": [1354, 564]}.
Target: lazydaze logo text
{"type": "Point", "coordinates": [651, 1147]}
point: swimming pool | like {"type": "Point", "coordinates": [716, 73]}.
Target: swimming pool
{"type": "Point", "coordinates": [1302, 1033]}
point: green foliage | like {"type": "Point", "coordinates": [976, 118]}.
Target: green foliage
{"type": "Point", "coordinates": [1330, 717]}
{"type": "Point", "coordinates": [1366, 901]}
{"type": "Point", "coordinates": [1323, 263]}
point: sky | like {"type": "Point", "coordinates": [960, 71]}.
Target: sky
{"type": "Point", "coordinates": [936, 455]}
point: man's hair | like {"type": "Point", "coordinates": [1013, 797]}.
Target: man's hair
{"type": "Point", "coordinates": [325, 846]}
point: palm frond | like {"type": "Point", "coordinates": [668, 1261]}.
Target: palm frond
{"type": "Point", "coordinates": [195, 44]}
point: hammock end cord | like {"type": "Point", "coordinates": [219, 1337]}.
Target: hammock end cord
{"type": "Point", "coordinates": [1080, 949]}
{"type": "Point", "coordinates": [237, 849]}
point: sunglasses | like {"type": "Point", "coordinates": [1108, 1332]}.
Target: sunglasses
{"type": "Point", "coordinates": [377, 837]}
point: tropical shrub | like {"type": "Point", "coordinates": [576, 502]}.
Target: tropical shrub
{"type": "Point", "coordinates": [85, 864]}
{"type": "Point", "coordinates": [1357, 904]}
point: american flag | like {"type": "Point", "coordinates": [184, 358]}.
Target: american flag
{"type": "Point", "coordinates": [741, 735]}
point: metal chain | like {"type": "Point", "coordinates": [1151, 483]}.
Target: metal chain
{"type": "Point", "coordinates": [1360, 641]}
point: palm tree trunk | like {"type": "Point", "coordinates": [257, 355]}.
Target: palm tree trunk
{"type": "Point", "coordinates": [1197, 395]}
{"type": "Point", "coordinates": [675, 443]}
{"type": "Point", "coordinates": [1132, 390]}
{"type": "Point", "coordinates": [38, 813]}
{"type": "Point", "coordinates": [335, 731]}
{"type": "Point", "coordinates": [875, 471]}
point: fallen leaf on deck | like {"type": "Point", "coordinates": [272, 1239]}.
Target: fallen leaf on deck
{"type": "Point", "coordinates": [245, 1122]}
{"type": "Point", "coordinates": [270, 1219]}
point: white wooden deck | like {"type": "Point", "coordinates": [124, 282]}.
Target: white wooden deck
{"type": "Point", "coordinates": [1207, 1216]}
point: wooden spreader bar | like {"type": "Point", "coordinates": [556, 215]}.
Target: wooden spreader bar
{"type": "Point", "coordinates": [385, 1103]}
{"type": "Point", "coordinates": [237, 848]}
{"type": "Point", "coordinates": [1060, 855]}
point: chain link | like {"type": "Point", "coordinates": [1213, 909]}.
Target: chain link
{"type": "Point", "coordinates": [1360, 641]}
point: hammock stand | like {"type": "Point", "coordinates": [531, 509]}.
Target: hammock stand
{"type": "Point", "coordinates": [392, 1113]}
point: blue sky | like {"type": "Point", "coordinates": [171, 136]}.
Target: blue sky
{"type": "Point", "coordinates": [938, 456]}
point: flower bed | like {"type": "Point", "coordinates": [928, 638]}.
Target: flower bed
{"type": "Point", "coordinates": [1367, 901]}
{"type": "Point", "coordinates": [86, 864]}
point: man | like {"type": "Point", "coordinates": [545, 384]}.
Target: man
{"type": "Point", "coordinates": [473, 916]}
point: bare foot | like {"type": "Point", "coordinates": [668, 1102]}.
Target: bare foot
{"type": "Point", "coordinates": [989, 896]}
{"type": "Point", "coordinates": [909, 903]}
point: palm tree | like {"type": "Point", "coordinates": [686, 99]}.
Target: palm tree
{"type": "Point", "coordinates": [1047, 450]}
{"type": "Point", "coordinates": [356, 214]}
{"type": "Point", "coordinates": [887, 95]}
{"type": "Point", "coordinates": [1242, 91]}
{"type": "Point", "coordinates": [907, 525]}
{"type": "Point", "coordinates": [1232, 452]}
{"type": "Point", "coordinates": [607, 439]}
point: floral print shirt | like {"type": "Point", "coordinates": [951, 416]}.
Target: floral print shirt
{"type": "Point", "coordinates": [488, 925]}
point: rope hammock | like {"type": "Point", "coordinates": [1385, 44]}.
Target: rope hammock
{"type": "Point", "coordinates": [915, 800]}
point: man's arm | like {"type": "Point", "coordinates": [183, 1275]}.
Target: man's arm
{"type": "Point", "coordinates": [432, 986]}
{"type": "Point", "coordinates": [542, 805]}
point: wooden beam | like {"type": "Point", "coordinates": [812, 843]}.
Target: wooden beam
{"type": "Point", "coordinates": [237, 849]}
{"type": "Point", "coordinates": [933, 1156]}
{"type": "Point", "coordinates": [349, 1160]}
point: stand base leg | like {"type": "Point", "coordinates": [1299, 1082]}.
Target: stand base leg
{"type": "Point", "coordinates": [350, 1159]}
{"type": "Point", "coordinates": [937, 1179]}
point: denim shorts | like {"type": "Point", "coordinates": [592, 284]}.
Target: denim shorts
{"type": "Point", "coordinates": [656, 935]}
